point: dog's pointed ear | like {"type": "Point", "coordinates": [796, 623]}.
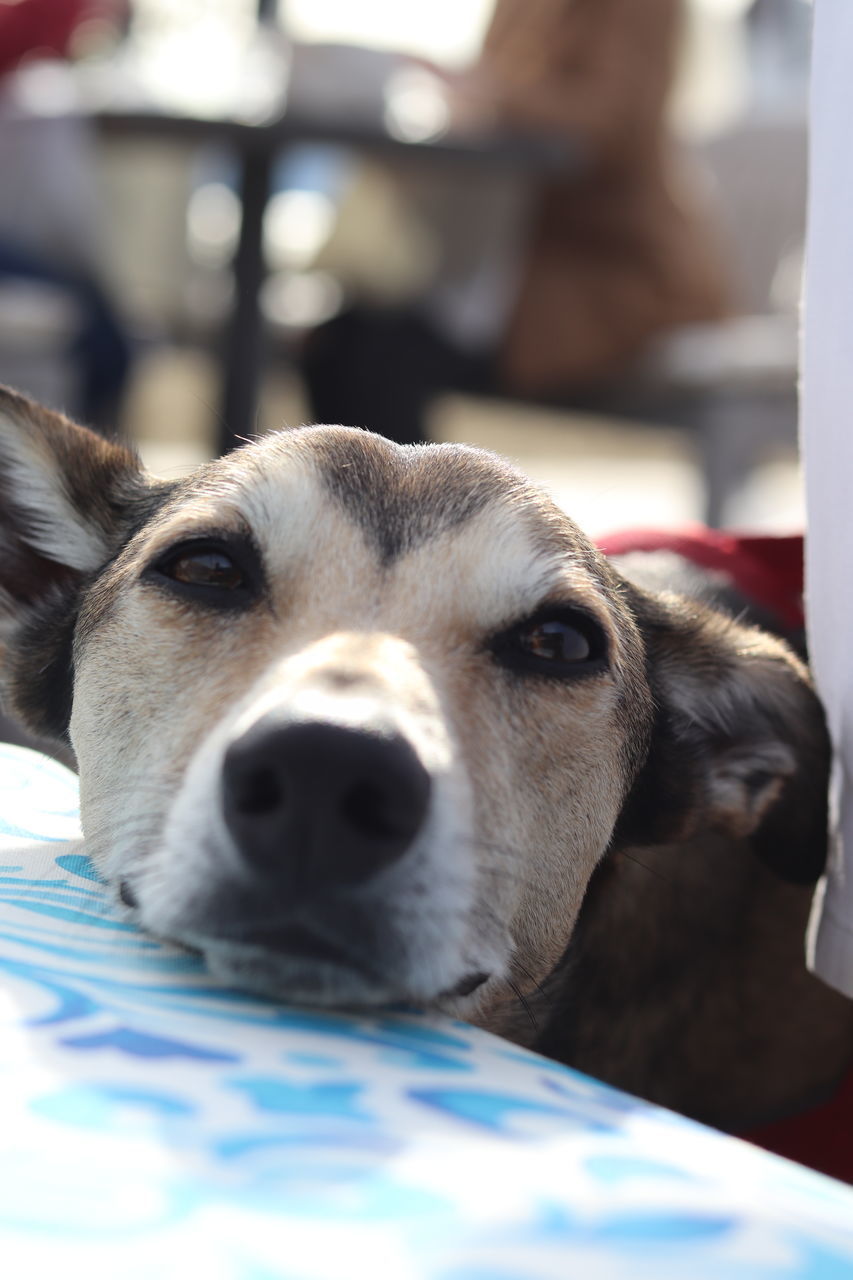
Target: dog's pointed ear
{"type": "Point", "coordinates": [63, 494]}
{"type": "Point", "coordinates": [739, 743]}
{"type": "Point", "coordinates": [68, 501]}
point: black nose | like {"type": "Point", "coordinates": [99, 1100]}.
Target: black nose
{"type": "Point", "coordinates": [315, 802]}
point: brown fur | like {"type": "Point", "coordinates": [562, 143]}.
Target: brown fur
{"type": "Point", "coordinates": [705, 1005]}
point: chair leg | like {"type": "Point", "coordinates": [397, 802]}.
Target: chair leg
{"type": "Point", "coordinates": [735, 429]}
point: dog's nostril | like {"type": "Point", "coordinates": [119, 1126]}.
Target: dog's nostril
{"type": "Point", "coordinates": [258, 791]}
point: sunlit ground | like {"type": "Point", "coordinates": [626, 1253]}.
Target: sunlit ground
{"type": "Point", "coordinates": [607, 475]}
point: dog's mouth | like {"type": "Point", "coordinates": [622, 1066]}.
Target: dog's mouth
{"type": "Point", "coordinates": [298, 964]}
{"type": "Point", "coordinates": [303, 944]}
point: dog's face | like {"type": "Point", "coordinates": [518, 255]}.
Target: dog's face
{"type": "Point", "coordinates": [358, 721]}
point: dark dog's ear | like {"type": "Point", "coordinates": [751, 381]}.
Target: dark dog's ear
{"type": "Point", "coordinates": [739, 743]}
{"type": "Point", "coordinates": [65, 496]}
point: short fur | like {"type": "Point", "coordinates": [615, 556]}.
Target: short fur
{"type": "Point", "coordinates": [613, 868]}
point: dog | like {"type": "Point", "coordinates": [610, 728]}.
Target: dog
{"type": "Point", "coordinates": [366, 724]}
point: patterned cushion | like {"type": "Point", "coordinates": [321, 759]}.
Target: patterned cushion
{"type": "Point", "coordinates": [155, 1125]}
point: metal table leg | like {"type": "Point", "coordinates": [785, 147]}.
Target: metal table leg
{"type": "Point", "coordinates": [244, 337]}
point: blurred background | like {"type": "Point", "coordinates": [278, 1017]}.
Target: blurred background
{"type": "Point", "coordinates": [124, 132]}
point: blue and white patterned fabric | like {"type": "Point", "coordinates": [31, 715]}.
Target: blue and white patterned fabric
{"type": "Point", "coordinates": [153, 1125]}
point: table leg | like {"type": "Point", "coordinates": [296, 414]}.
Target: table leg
{"type": "Point", "coordinates": [244, 337]}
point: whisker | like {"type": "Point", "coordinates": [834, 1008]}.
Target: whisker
{"type": "Point", "coordinates": [525, 973]}
{"type": "Point", "coordinates": [651, 870]}
{"type": "Point", "coordinates": [524, 1003]}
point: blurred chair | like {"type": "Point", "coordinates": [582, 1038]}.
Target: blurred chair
{"type": "Point", "coordinates": [736, 381]}
{"type": "Point", "coordinates": [732, 384]}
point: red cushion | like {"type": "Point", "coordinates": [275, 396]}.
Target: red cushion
{"type": "Point", "coordinates": [767, 570]}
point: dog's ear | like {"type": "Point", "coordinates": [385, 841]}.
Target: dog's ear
{"type": "Point", "coordinates": [739, 743]}
{"type": "Point", "coordinates": [63, 490]}
{"type": "Point", "coordinates": [66, 498]}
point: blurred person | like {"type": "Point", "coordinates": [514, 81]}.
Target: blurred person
{"type": "Point", "coordinates": [614, 253]}
{"type": "Point", "coordinates": [48, 213]}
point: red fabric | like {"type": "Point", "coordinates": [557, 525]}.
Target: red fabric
{"type": "Point", "coordinates": [821, 1138]}
{"type": "Point", "coordinates": [43, 26]}
{"type": "Point", "coordinates": [767, 570]}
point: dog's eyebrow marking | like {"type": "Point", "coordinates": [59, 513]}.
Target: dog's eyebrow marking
{"type": "Point", "coordinates": [403, 496]}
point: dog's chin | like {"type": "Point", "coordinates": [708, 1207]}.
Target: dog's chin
{"type": "Point", "coordinates": [325, 983]}
{"type": "Point", "coordinates": [294, 979]}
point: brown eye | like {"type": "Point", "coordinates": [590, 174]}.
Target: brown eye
{"type": "Point", "coordinates": [561, 643]}
{"type": "Point", "coordinates": [217, 573]}
{"type": "Point", "coordinates": [555, 642]}
{"type": "Point", "coordinates": [206, 569]}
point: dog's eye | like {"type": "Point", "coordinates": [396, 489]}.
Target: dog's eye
{"type": "Point", "coordinates": [555, 642]}
{"type": "Point", "coordinates": [205, 569]}
{"type": "Point", "coordinates": [561, 643]}
{"type": "Point", "coordinates": [217, 572]}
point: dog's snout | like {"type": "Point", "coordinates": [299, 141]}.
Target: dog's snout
{"type": "Point", "coordinates": [320, 803]}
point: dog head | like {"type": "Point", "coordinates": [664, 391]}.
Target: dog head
{"type": "Point", "coordinates": [358, 721]}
